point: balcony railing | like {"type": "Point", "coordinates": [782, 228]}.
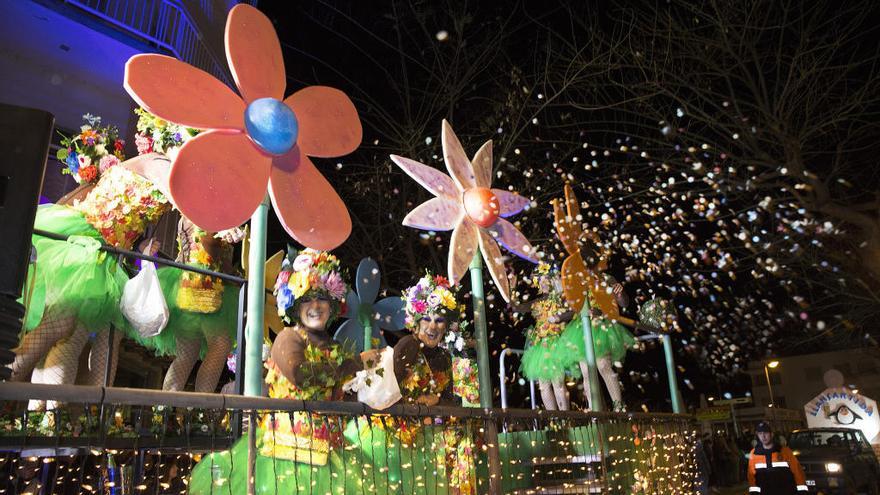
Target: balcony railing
{"type": "Point", "coordinates": [154, 439]}
{"type": "Point", "coordinates": [164, 23]}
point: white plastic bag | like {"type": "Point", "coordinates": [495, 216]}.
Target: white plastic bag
{"type": "Point", "coordinates": [143, 303]}
{"type": "Point", "coordinates": [382, 391]}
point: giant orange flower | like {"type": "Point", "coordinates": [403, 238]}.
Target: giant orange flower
{"type": "Point", "coordinates": [253, 141]}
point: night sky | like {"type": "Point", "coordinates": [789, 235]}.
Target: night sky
{"type": "Point", "coordinates": [707, 162]}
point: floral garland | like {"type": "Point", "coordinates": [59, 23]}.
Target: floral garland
{"type": "Point", "coordinates": [465, 380]}
{"type": "Point", "coordinates": [92, 152]}
{"type": "Point", "coordinates": [430, 295]}
{"type": "Point", "coordinates": [121, 206]}
{"type": "Point", "coordinates": [309, 272]}
{"type": "Point", "coordinates": [155, 135]}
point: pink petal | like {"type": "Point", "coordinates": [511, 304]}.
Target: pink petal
{"type": "Point", "coordinates": [180, 93]}
{"type": "Point", "coordinates": [512, 239]}
{"type": "Point", "coordinates": [438, 183]}
{"type": "Point", "coordinates": [435, 214]}
{"type": "Point", "coordinates": [462, 248]}
{"type": "Point", "coordinates": [457, 163]}
{"type": "Point", "coordinates": [482, 164]}
{"type": "Point", "coordinates": [218, 180]}
{"type": "Point", "coordinates": [254, 54]}
{"type": "Point", "coordinates": [511, 202]}
{"type": "Point", "coordinates": [307, 205]}
{"type": "Point", "coordinates": [328, 121]}
{"type": "Point", "coordinates": [495, 264]}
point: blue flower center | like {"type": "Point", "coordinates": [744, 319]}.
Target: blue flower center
{"type": "Point", "coordinates": [272, 125]}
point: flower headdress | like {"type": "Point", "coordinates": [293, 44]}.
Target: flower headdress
{"type": "Point", "coordinates": [92, 152]}
{"type": "Point", "coordinates": [155, 135]}
{"type": "Point", "coordinates": [544, 274]}
{"type": "Point", "coordinates": [432, 294]}
{"type": "Point", "coordinates": [308, 273]}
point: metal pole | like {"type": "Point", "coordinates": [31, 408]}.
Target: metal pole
{"type": "Point", "coordinates": [480, 331]}
{"type": "Point", "coordinates": [671, 375]}
{"type": "Point", "coordinates": [367, 323]}
{"type": "Point", "coordinates": [592, 373]}
{"type": "Point", "coordinates": [253, 363]}
{"type": "Point", "coordinates": [770, 387]}
{"type": "Point", "coordinates": [733, 417]}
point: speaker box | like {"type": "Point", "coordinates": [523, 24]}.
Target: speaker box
{"type": "Point", "coordinates": [25, 134]}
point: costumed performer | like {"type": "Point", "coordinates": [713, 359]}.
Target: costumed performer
{"type": "Point", "coordinates": [76, 287]}
{"type": "Point", "coordinates": [297, 451]}
{"type": "Point", "coordinates": [611, 339]}
{"type": "Point", "coordinates": [203, 311]}
{"type": "Point", "coordinates": [554, 344]}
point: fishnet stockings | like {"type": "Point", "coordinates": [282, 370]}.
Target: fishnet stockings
{"type": "Point", "coordinates": [211, 367]}
{"type": "Point", "coordinates": [554, 395]}
{"type": "Point", "coordinates": [54, 326]}
{"type": "Point", "coordinates": [61, 363]}
{"type": "Point", "coordinates": [609, 376]}
{"type": "Point", "coordinates": [98, 357]}
{"type": "Point", "coordinates": [181, 367]}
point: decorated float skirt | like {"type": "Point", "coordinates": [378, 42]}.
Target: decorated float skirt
{"type": "Point", "coordinates": [297, 452]}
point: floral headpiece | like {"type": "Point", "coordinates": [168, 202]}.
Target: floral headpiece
{"type": "Point", "coordinates": [92, 152]}
{"type": "Point", "coordinates": [155, 135]}
{"type": "Point", "coordinates": [308, 273]}
{"type": "Point", "coordinates": [544, 273]}
{"type": "Point", "coordinates": [431, 294]}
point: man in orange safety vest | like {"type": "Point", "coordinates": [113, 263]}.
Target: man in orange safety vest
{"type": "Point", "coordinates": [774, 469]}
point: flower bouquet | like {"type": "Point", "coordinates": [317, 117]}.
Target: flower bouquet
{"type": "Point", "coordinates": [92, 152]}
{"type": "Point", "coordinates": [155, 135]}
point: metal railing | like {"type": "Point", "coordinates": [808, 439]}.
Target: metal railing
{"type": "Point", "coordinates": [513, 451]}
{"type": "Point", "coordinates": [164, 23]}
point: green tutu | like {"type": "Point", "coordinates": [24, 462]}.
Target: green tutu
{"type": "Point", "coordinates": [191, 325]}
{"type": "Point", "coordinates": [610, 339]}
{"type": "Point", "coordinates": [74, 275]}
{"type": "Point", "coordinates": [552, 357]}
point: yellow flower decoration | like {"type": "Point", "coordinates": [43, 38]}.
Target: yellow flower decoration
{"type": "Point", "coordinates": [446, 298]}
{"type": "Point", "coordinates": [299, 283]}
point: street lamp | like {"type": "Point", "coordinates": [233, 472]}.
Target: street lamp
{"type": "Point", "coordinates": [767, 366]}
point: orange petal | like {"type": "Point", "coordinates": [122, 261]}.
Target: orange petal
{"type": "Point", "coordinates": [482, 164]}
{"type": "Point", "coordinates": [435, 214]}
{"type": "Point", "coordinates": [456, 161]}
{"type": "Point", "coordinates": [435, 181]}
{"type": "Point", "coordinates": [254, 54]}
{"type": "Point", "coordinates": [218, 180]}
{"type": "Point", "coordinates": [180, 93]}
{"type": "Point", "coordinates": [495, 264]}
{"type": "Point", "coordinates": [462, 249]}
{"type": "Point", "coordinates": [574, 281]}
{"type": "Point", "coordinates": [328, 121]}
{"type": "Point", "coordinates": [307, 205]}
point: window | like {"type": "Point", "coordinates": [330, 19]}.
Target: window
{"type": "Point", "coordinates": [779, 402]}
{"type": "Point", "coordinates": [813, 374]}
{"type": "Point", "coordinates": [775, 378]}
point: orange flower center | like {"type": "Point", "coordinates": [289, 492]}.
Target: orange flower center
{"type": "Point", "coordinates": [481, 206]}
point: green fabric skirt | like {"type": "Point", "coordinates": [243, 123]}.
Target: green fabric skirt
{"type": "Point", "coordinates": [610, 339]}
{"type": "Point", "coordinates": [553, 357]}
{"type": "Point", "coordinates": [190, 325]}
{"type": "Point", "coordinates": [74, 275]}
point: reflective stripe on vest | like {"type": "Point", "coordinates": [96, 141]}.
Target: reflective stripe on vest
{"type": "Point", "coordinates": [760, 465]}
{"type": "Point", "coordinates": [780, 464]}
{"type": "Point", "coordinates": [754, 489]}
{"type": "Point", "coordinates": [802, 488]}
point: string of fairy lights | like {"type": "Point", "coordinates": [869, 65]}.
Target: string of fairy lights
{"type": "Point", "coordinates": [620, 454]}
